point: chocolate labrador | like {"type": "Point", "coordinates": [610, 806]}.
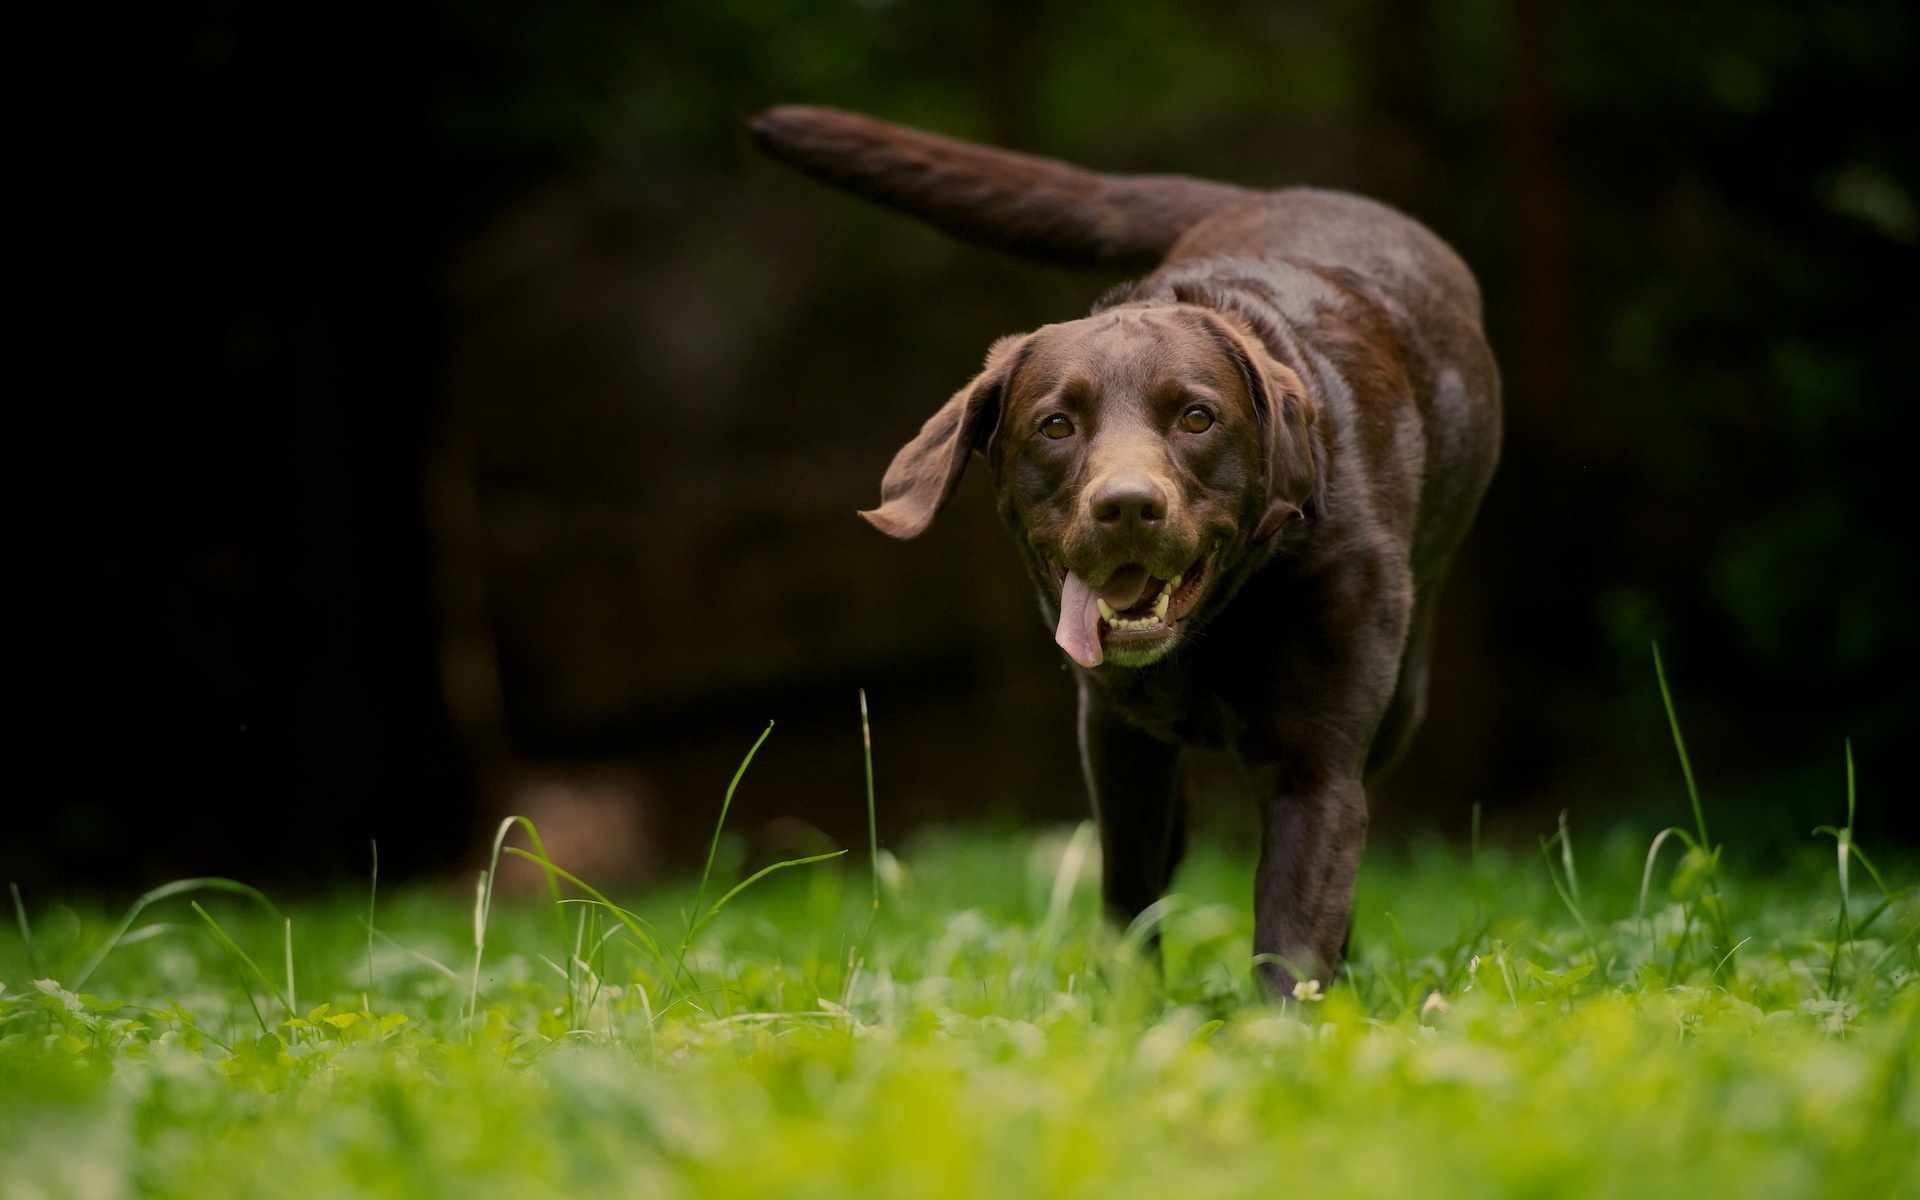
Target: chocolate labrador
{"type": "Point", "coordinates": [1236, 484]}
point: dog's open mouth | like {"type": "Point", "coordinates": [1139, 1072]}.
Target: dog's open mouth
{"type": "Point", "coordinates": [1131, 619]}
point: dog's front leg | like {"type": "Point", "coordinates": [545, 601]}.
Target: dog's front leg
{"type": "Point", "coordinates": [1314, 826]}
{"type": "Point", "coordinates": [1132, 779]}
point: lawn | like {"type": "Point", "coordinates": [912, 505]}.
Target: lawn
{"type": "Point", "coordinates": [959, 1022]}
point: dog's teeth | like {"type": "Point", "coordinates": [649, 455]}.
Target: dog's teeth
{"type": "Point", "coordinates": [1106, 610]}
{"type": "Point", "coordinates": [1160, 607]}
{"type": "Point", "coordinates": [1175, 581]}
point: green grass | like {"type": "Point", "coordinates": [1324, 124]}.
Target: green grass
{"type": "Point", "coordinates": [1504, 1031]}
{"type": "Point", "coordinates": [963, 1023]}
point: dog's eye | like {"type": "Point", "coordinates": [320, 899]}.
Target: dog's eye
{"type": "Point", "coordinates": [1057, 427]}
{"type": "Point", "coordinates": [1196, 420]}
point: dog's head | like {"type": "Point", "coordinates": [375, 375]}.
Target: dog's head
{"type": "Point", "coordinates": [1143, 455]}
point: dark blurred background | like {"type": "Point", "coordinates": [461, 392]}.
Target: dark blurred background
{"type": "Point", "coordinates": [446, 414]}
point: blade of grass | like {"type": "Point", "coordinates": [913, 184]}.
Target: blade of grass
{"type": "Point", "coordinates": [232, 947]}
{"type": "Point", "coordinates": [1861, 926]}
{"type": "Point", "coordinates": [1852, 783]}
{"type": "Point", "coordinates": [756, 877]}
{"type": "Point", "coordinates": [150, 931]}
{"type": "Point", "coordinates": [713, 847]}
{"type": "Point", "coordinates": [1843, 930]}
{"type": "Point", "coordinates": [179, 1013]}
{"type": "Point", "coordinates": [1653, 852]}
{"type": "Point", "coordinates": [873, 823]}
{"type": "Point", "coordinates": [1871, 873]}
{"type": "Point", "coordinates": [1729, 954]}
{"type": "Point", "coordinates": [1853, 846]}
{"type": "Point", "coordinates": [1473, 868]}
{"type": "Point", "coordinates": [373, 894]}
{"type": "Point", "coordinates": [631, 920]}
{"type": "Point", "coordinates": [1569, 892]}
{"type": "Point", "coordinates": [1566, 859]}
{"type": "Point", "coordinates": [1066, 879]}
{"type": "Point", "coordinates": [546, 865]}
{"type": "Point", "coordinates": [1680, 745]}
{"type": "Point", "coordinates": [435, 963]}
{"type": "Point", "coordinates": [165, 890]}
{"type": "Point", "coordinates": [483, 898]}
{"type": "Point", "coordinates": [1710, 897]}
{"type": "Point", "coordinates": [482, 901]}
{"type": "Point", "coordinates": [26, 930]}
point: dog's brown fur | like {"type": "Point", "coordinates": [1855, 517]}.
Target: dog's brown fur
{"type": "Point", "coordinates": [1351, 423]}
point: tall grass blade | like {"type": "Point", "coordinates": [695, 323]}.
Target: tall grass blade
{"type": "Point", "coordinates": [1067, 877]}
{"type": "Point", "coordinates": [1569, 891]}
{"type": "Point", "coordinates": [1710, 898]}
{"type": "Point", "coordinates": [635, 924]}
{"type": "Point", "coordinates": [756, 877]}
{"type": "Point", "coordinates": [1844, 931]}
{"type": "Point", "coordinates": [26, 930]}
{"type": "Point", "coordinates": [483, 898]}
{"type": "Point", "coordinates": [873, 822]}
{"type": "Point", "coordinates": [713, 847]}
{"type": "Point", "coordinates": [631, 920]}
{"type": "Point", "coordinates": [149, 931]}
{"type": "Point", "coordinates": [426, 960]}
{"type": "Point", "coordinates": [1653, 852]}
{"type": "Point", "coordinates": [232, 947]}
{"type": "Point", "coordinates": [547, 867]}
{"type": "Point", "coordinates": [1680, 745]}
{"type": "Point", "coordinates": [1852, 790]}
{"type": "Point", "coordinates": [165, 890]}
{"type": "Point", "coordinates": [373, 894]}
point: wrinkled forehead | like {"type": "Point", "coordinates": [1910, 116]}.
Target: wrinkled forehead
{"type": "Point", "coordinates": [1127, 351]}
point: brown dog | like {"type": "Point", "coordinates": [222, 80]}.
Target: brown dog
{"type": "Point", "coordinates": [1236, 484]}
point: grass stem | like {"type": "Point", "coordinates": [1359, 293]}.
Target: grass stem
{"type": "Point", "coordinates": [713, 847]}
{"type": "Point", "coordinates": [26, 930]}
{"type": "Point", "coordinates": [373, 894]}
{"type": "Point", "coordinates": [873, 823]}
{"type": "Point", "coordinates": [1680, 745]}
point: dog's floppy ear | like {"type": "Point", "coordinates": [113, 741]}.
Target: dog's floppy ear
{"type": "Point", "coordinates": [927, 470]}
{"type": "Point", "coordinates": [1295, 471]}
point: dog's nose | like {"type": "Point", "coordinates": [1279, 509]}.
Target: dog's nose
{"type": "Point", "coordinates": [1129, 500]}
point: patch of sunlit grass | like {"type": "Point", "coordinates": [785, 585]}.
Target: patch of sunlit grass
{"type": "Point", "coordinates": [1599, 1020]}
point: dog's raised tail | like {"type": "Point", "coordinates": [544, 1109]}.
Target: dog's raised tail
{"type": "Point", "coordinates": [1034, 207]}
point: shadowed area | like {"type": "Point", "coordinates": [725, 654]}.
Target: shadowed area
{"type": "Point", "coordinates": [456, 415]}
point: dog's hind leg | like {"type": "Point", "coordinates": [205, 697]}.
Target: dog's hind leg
{"type": "Point", "coordinates": [1408, 708]}
{"type": "Point", "coordinates": [1132, 779]}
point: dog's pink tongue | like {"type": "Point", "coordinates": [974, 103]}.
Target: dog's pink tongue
{"type": "Point", "coordinates": [1079, 629]}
